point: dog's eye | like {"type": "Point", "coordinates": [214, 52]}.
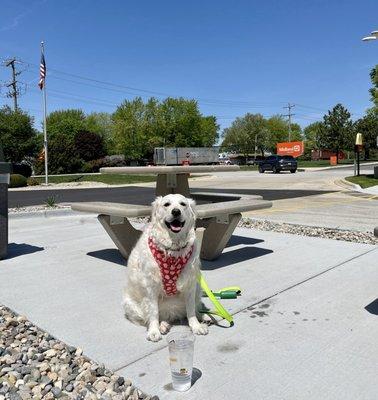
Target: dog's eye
{"type": "Point", "coordinates": [167, 204]}
{"type": "Point", "coordinates": [183, 204]}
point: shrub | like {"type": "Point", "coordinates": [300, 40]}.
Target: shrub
{"type": "Point", "coordinates": [17, 180]}
{"type": "Point", "coordinates": [62, 157]}
{"type": "Point", "coordinates": [108, 161]}
{"type": "Point", "coordinates": [22, 169]}
{"type": "Point", "coordinates": [114, 161]}
{"type": "Point", "coordinates": [32, 181]}
{"type": "Point", "coordinates": [89, 146]}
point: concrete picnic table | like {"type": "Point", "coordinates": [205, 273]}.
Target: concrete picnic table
{"type": "Point", "coordinates": [219, 215]}
{"type": "Point", "coordinates": [170, 179]}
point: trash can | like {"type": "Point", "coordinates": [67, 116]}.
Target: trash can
{"type": "Point", "coordinates": [5, 170]}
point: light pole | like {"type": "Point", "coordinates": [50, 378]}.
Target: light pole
{"type": "Point", "coordinates": [373, 36]}
{"type": "Point", "coordinates": [255, 147]}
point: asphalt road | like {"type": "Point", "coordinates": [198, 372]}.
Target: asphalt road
{"type": "Point", "coordinates": [132, 195]}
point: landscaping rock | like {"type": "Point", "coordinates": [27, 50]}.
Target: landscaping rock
{"type": "Point", "coordinates": [314, 231]}
{"type": "Point", "coordinates": [33, 364]}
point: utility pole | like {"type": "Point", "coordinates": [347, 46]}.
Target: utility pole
{"type": "Point", "coordinates": [289, 115]}
{"type": "Point", "coordinates": [13, 85]}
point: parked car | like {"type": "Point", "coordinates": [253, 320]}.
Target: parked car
{"type": "Point", "coordinates": [277, 164]}
{"type": "Point", "coordinates": [255, 161]}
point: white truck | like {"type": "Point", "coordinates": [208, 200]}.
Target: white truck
{"type": "Point", "coordinates": [186, 155]}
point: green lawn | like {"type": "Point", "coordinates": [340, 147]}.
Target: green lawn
{"type": "Point", "coordinates": [364, 181]}
{"type": "Point", "coordinates": [110, 179]}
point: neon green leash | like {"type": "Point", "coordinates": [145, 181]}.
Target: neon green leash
{"type": "Point", "coordinates": [233, 291]}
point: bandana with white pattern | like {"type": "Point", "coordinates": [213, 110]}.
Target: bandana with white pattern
{"type": "Point", "coordinates": [170, 266]}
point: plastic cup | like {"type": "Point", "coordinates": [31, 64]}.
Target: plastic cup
{"type": "Point", "coordinates": [181, 349]}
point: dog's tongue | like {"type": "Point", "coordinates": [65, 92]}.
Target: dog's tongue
{"type": "Point", "coordinates": [175, 228]}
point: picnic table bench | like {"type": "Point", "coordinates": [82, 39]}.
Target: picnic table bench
{"type": "Point", "coordinates": [219, 215]}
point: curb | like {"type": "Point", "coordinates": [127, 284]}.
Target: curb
{"type": "Point", "coordinates": [63, 212]}
{"type": "Point", "coordinates": [347, 185]}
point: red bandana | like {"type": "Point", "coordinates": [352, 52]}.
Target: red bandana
{"type": "Point", "coordinates": [170, 266]}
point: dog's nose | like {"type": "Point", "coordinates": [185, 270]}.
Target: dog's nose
{"type": "Point", "coordinates": [176, 212]}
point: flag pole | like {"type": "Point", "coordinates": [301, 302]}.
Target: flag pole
{"type": "Point", "coordinates": [44, 122]}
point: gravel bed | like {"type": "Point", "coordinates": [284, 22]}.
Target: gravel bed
{"type": "Point", "coordinates": [314, 231]}
{"type": "Point", "coordinates": [16, 210]}
{"type": "Point", "coordinates": [35, 365]}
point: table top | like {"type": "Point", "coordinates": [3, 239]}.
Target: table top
{"type": "Point", "coordinates": [175, 169]}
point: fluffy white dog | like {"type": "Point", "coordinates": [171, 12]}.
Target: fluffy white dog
{"type": "Point", "coordinates": [163, 268]}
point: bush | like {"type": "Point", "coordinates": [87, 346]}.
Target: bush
{"type": "Point", "coordinates": [89, 146]}
{"type": "Point", "coordinates": [22, 169]}
{"type": "Point", "coordinates": [62, 157]}
{"type": "Point", "coordinates": [32, 181]}
{"type": "Point", "coordinates": [17, 180]}
{"type": "Point", "coordinates": [108, 161]}
{"type": "Point", "coordinates": [114, 161]}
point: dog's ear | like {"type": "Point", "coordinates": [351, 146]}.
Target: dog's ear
{"type": "Point", "coordinates": [192, 207]}
{"type": "Point", "coordinates": [155, 205]}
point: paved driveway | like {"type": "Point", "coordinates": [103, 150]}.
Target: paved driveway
{"type": "Point", "coordinates": [305, 326]}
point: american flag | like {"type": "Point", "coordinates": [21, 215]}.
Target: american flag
{"type": "Point", "coordinates": [42, 72]}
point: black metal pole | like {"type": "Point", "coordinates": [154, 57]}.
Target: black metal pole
{"type": "Point", "coordinates": [5, 169]}
{"type": "Point", "coordinates": [358, 161]}
{"type": "Point", "coordinates": [3, 219]}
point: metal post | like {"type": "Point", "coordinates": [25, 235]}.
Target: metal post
{"type": "Point", "coordinates": [5, 169]}
{"type": "Point", "coordinates": [255, 148]}
{"type": "Point", "coordinates": [44, 124]}
{"type": "Point", "coordinates": [358, 162]}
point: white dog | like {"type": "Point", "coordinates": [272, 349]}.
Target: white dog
{"type": "Point", "coordinates": [163, 268]}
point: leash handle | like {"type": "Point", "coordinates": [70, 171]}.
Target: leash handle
{"type": "Point", "coordinates": [220, 310]}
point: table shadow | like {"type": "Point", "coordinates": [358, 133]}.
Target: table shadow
{"type": "Point", "coordinates": [372, 308]}
{"type": "Point", "coordinates": [20, 249]}
{"type": "Point", "coordinates": [234, 257]}
{"type": "Point", "coordinates": [111, 255]}
{"type": "Point", "coordinates": [235, 240]}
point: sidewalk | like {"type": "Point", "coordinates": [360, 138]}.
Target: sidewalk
{"type": "Point", "coordinates": [301, 328]}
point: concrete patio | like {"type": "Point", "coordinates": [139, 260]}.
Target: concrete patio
{"type": "Point", "coordinates": [305, 326]}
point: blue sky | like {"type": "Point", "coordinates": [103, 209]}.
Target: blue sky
{"type": "Point", "coordinates": [234, 57]}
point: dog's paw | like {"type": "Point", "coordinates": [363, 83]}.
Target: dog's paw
{"type": "Point", "coordinates": [164, 327]}
{"type": "Point", "coordinates": [154, 335]}
{"type": "Point", "coordinates": [200, 329]}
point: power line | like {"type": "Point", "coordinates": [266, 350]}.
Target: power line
{"type": "Point", "coordinates": [159, 94]}
{"type": "Point", "coordinates": [13, 85]}
{"type": "Point", "coordinates": [289, 115]}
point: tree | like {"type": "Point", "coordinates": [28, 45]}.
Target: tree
{"type": "Point", "coordinates": [139, 127]}
{"type": "Point", "coordinates": [17, 135]}
{"type": "Point", "coordinates": [374, 89]}
{"type": "Point", "coordinates": [129, 130]}
{"type": "Point", "coordinates": [338, 130]}
{"type": "Point", "coordinates": [368, 126]}
{"type": "Point", "coordinates": [102, 124]}
{"type": "Point", "coordinates": [89, 146]}
{"type": "Point", "coordinates": [62, 128]}
{"type": "Point", "coordinates": [65, 123]}
{"type": "Point", "coordinates": [313, 136]}
{"type": "Point", "coordinates": [244, 133]}
{"type": "Point", "coordinates": [278, 128]}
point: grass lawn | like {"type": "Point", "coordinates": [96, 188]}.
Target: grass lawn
{"type": "Point", "coordinates": [364, 181]}
{"type": "Point", "coordinates": [110, 179]}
